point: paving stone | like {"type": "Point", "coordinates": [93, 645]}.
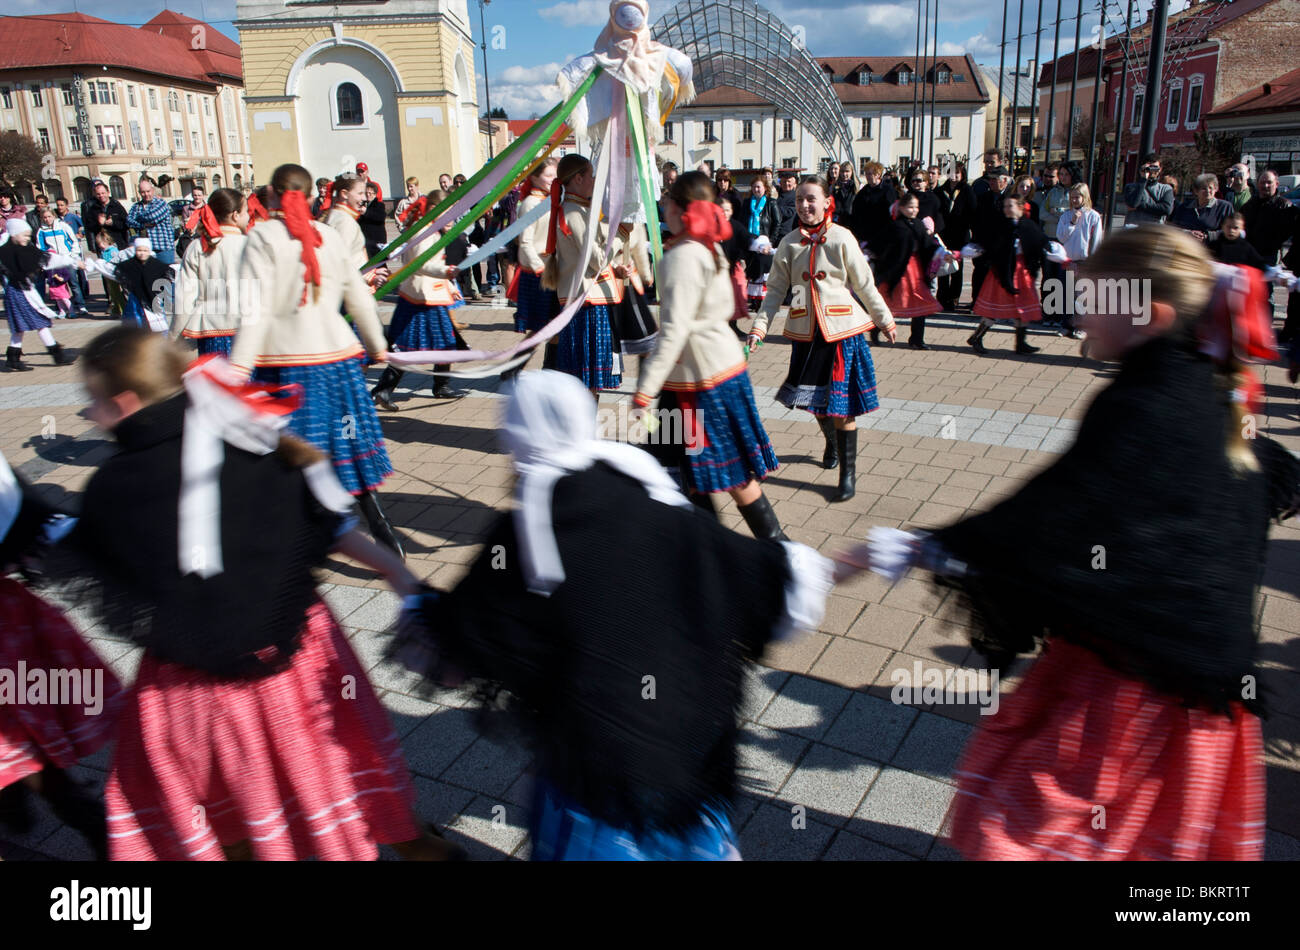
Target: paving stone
{"type": "Point", "coordinates": [490, 829]}
{"type": "Point", "coordinates": [805, 707]}
{"type": "Point", "coordinates": [850, 847]}
{"type": "Point", "coordinates": [932, 747]}
{"type": "Point", "coordinates": [771, 835]}
{"type": "Point", "coordinates": [904, 811]}
{"type": "Point", "coordinates": [765, 757]}
{"type": "Point", "coordinates": [487, 767]}
{"type": "Point", "coordinates": [437, 742]}
{"type": "Point", "coordinates": [870, 727]}
{"type": "Point", "coordinates": [829, 782]}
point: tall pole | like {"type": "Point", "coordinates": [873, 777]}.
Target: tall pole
{"type": "Point", "coordinates": [1015, 93]}
{"type": "Point", "coordinates": [1094, 182]}
{"type": "Point", "coordinates": [1051, 103]}
{"type": "Point", "coordinates": [934, 90]}
{"type": "Point", "coordinates": [1074, 84]}
{"type": "Point", "coordinates": [1119, 116]}
{"type": "Point", "coordinates": [1002, 78]}
{"type": "Point", "coordinates": [1033, 89]}
{"type": "Point", "coordinates": [926, 66]}
{"type": "Point", "coordinates": [1155, 67]}
{"type": "Point", "coordinates": [915, 66]}
{"type": "Point", "coordinates": [487, 85]}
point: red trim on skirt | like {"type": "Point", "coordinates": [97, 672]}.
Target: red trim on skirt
{"type": "Point", "coordinates": [997, 304]}
{"type": "Point", "coordinates": [1078, 743]}
{"type": "Point", "coordinates": [35, 735]}
{"type": "Point", "coordinates": [910, 296]}
{"type": "Point", "coordinates": [303, 763]}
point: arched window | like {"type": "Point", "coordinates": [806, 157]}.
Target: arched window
{"type": "Point", "coordinates": [216, 182]}
{"type": "Point", "coordinates": [173, 101]}
{"type": "Point", "coordinates": [238, 182]}
{"type": "Point", "coordinates": [82, 185]}
{"type": "Point", "coordinates": [117, 187]}
{"type": "Point", "coordinates": [347, 99]}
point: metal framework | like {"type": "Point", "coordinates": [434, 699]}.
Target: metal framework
{"type": "Point", "coordinates": [739, 43]}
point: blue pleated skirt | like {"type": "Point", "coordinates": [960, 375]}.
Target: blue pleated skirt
{"type": "Point", "coordinates": [416, 327]}
{"type": "Point", "coordinates": [726, 446]}
{"type": "Point", "coordinates": [338, 417]}
{"type": "Point", "coordinates": [563, 831]}
{"type": "Point", "coordinates": [219, 345]}
{"type": "Point", "coordinates": [585, 349]}
{"type": "Point", "coordinates": [22, 315]}
{"type": "Point", "coordinates": [831, 379]}
{"type": "Point", "coordinates": [535, 306]}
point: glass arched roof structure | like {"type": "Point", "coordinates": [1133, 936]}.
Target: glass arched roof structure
{"type": "Point", "coordinates": [739, 43]}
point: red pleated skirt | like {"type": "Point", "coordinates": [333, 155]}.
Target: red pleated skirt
{"type": "Point", "coordinates": [43, 728]}
{"type": "Point", "coordinates": [996, 303]}
{"type": "Point", "coordinates": [910, 296]}
{"type": "Point", "coordinates": [304, 763]}
{"type": "Point", "coordinates": [1082, 762]}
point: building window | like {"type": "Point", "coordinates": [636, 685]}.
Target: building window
{"type": "Point", "coordinates": [905, 127]}
{"type": "Point", "coordinates": [1194, 105]}
{"type": "Point", "coordinates": [708, 131]}
{"type": "Point", "coordinates": [43, 136]}
{"type": "Point", "coordinates": [668, 132]}
{"type": "Point", "coordinates": [747, 164]}
{"type": "Point", "coordinates": [194, 140]}
{"type": "Point", "coordinates": [74, 138]}
{"type": "Point", "coordinates": [173, 102]}
{"type": "Point", "coordinates": [862, 166]}
{"type": "Point", "coordinates": [787, 131]}
{"type": "Point", "coordinates": [189, 101]}
{"type": "Point", "coordinates": [37, 101]}
{"type": "Point", "coordinates": [904, 78]}
{"type": "Point", "coordinates": [158, 140]}
{"type": "Point", "coordinates": [943, 77]}
{"type": "Point", "coordinates": [212, 143]}
{"type": "Point", "coordinates": [866, 129]}
{"type": "Point", "coordinates": [232, 141]}
{"type": "Point", "coordinates": [864, 78]}
{"type": "Point", "coordinates": [117, 187]}
{"type": "Point", "coordinates": [102, 93]}
{"type": "Point", "coordinates": [4, 97]}
{"type": "Point", "coordinates": [207, 107]}
{"type": "Point", "coordinates": [1175, 111]}
{"type": "Point", "coordinates": [747, 130]}
{"type": "Point", "coordinates": [178, 140]}
{"type": "Point", "coordinates": [238, 182]}
{"type": "Point", "coordinates": [130, 96]}
{"type": "Point", "coordinates": [137, 139]}
{"type": "Point", "coordinates": [216, 182]}
{"type": "Point", "coordinates": [1136, 123]}
{"type": "Point", "coordinates": [945, 127]}
{"type": "Point", "coordinates": [66, 89]}
{"type": "Point", "coordinates": [348, 101]}
{"type": "Point", "coordinates": [787, 163]}
{"type": "Point", "coordinates": [108, 137]}
{"type": "Point", "coordinates": [153, 98]}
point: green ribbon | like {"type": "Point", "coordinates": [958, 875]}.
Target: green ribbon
{"type": "Point", "coordinates": [636, 122]}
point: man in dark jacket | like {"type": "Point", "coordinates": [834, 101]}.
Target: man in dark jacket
{"type": "Point", "coordinates": [785, 209]}
{"type": "Point", "coordinates": [1149, 200]}
{"type": "Point", "coordinates": [870, 222]}
{"type": "Point", "coordinates": [987, 220]}
{"type": "Point", "coordinates": [1270, 218]}
{"type": "Point", "coordinates": [959, 215]}
{"type": "Point", "coordinates": [102, 212]}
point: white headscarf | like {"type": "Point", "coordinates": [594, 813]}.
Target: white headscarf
{"type": "Point", "coordinates": [550, 430]}
{"type": "Point", "coordinates": [143, 242]}
{"type": "Point", "coordinates": [625, 48]}
{"type": "Point", "coordinates": [17, 226]}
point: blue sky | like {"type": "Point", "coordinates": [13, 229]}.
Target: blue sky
{"type": "Point", "coordinates": [540, 35]}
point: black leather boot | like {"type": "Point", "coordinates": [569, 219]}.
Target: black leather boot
{"type": "Point", "coordinates": [441, 384]}
{"type": "Point", "coordinates": [1021, 345]}
{"type": "Point", "coordinates": [976, 339]}
{"type": "Point", "coordinates": [830, 458]}
{"type": "Point", "coordinates": [762, 520]}
{"type": "Point", "coordinates": [848, 446]}
{"type": "Point", "coordinates": [61, 356]}
{"type": "Point", "coordinates": [383, 393]}
{"type": "Point", "coordinates": [14, 360]}
{"type": "Point", "coordinates": [381, 529]}
{"type": "Point", "coordinates": [916, 340]}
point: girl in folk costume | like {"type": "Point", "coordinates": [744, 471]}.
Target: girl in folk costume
{"type": "Point", "coordinates": [1015, 256]}
{"type": "Point", "coordinates": [1143, 702]}
{"type": "Point", "coordinates": [585, 347]}
{"type": "Point", "coordinates": [21, 262]}
{"type": "Point", "coordinates": [144, 281]}
{"type": "Point", "coordinates": [831, 372]}
{"type": "Point", "coordinates": [251, 730]}
{"type": "Point", "coordinates": [617, 777]}
{"type": "Point", "coordinates": [43, 733]}
{"type": "Point", "coordinates": [295, 333]}
{"type": "Point", "coordinates": [422, 320]}
{"type": "Point", "coordinates": [635, 324]}
{"type": "Point", "coordinates": [207, 289]}
{"type": "Point", "coordinates": [902, 271]}
{"type": "Point", "coordinates": [699, 365]}
{"type": "Point", "coordinates": [534, 305]}
{"type": "Point", "coordinates": [349, 192]}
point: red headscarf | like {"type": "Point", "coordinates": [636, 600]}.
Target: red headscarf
{"type": "Point", "coordinates": [211, 233]}
{"type": "Point", "coordinates": [557, 216]}
{"type": "Point", "coordinates": [256, 211]}
{"type": "Point", "coordinates": [297, 218]}
{"type": "Point", "coordinates": [705, 222]}
{"type": "Point", "coordinates": [1239, 320]}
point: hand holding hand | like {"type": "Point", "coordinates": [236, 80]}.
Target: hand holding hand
{"type": "Point", "coordinates": [452, 272]}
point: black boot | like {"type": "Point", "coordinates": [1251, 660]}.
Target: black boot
{"type": "Point", "coordinates": [74, 806]}
{"type": "Point", "coordinates": [1021, 345]}
{"type": "Point", "coordinates": [14, 360]}
{"type": "Point", "coordinates": [848, 446]}
{"type": "Point", "coordinates": [381, 529]}
{"type": "Point", "coordinates": [830, 458]}
{"type": "Point", "coordinates": [61, 356]}
{"type": "Point", "coordinates": [762, 520]}
{"type": "Point", "coordinates": [704, 502]}
{"type": "Point", "coordinates": [917, 338]}
{"type": "Point", "coordinates": [441, 384]}
{"type": "Point", "coordinates": [976, 339]}
{"type": "Point", "coordinates": [383, 393]}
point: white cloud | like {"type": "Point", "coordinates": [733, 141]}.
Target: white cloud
{"type": "Point", "coordinates": [978, 46]}
{"type": "Point", "coordinates": [578, 12]}
{"type": "Point", "coordinates": [544, 74]}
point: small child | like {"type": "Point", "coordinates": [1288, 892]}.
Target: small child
{"type": "Point", "coordinates": [902, 272]}
{"type": "Point", "coordinates": [109, 253]}
{"type": "Point", "coordinates": [56, 285]}
{"type": "Point", "coordinates": [1233, 248]}
{"type": "Point", "coordinates": [1015, 257]}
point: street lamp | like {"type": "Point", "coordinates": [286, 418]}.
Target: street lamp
{"type": "Point", "coordinates": [487, 86]}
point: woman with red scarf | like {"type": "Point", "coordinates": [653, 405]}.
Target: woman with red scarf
{"type": "Point", "coordinates": [207, 289]}
{"type": "Point", "coordinates": [831, 373]}
{"type": "Point", "coordinates": [698, 366]}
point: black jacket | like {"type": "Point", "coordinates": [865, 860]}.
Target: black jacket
{"type": "Point", "coordinates": [371, 222]}
{"type": "Point", "coordinates": [1269, 222]}
{"type": "Point", "coordinates": [930, 207]}
{"type": "Point", "coordinates": [908, 239]}
{"type": "Point", "coordinates": [91, 209]}
{"type": "Point", "coordinates": [959, 215]}
{"type": "Point", "coordinates": [1239, 251]}
{"type": "Point", "coordinates": [988, 214]}
{"type": "Point", "coordinates": [768, 218]}
{"type": "Point", "coordinates": [845, 195]}
{"type": "Point", "coordinates": [1001, 250]}
{"type": "Point", "coordinates": [787, 216]}
{"type": "Point", "coordinates": [870, 222]}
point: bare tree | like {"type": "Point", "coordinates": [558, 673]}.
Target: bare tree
{"type": "Point", "coordinates": [20, 158]}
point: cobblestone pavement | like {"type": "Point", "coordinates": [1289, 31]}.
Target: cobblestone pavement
{"type": "Point", "coordinates": [955, 433]}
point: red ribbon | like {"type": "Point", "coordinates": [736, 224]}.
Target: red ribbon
{"type": "Point", "coordinates": [256, 211]}
{"type": "Point", "coordinates": [211, 233]}
{"type": "Point", "coordinates": [1239, 321]}
{"type": "Point", "coordinates": [557, 217]}
{"type": "Point", "coordinates": [705, 222]}
{"type": "Point", "coordinates": [264, 398]}
{"type": "Point", "coordinates": [297, 218]}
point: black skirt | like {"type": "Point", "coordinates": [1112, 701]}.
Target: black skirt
{"type": "Point", "coordinates": [634, 326]}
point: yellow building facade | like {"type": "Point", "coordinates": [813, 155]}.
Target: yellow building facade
{"type": "Point", "coordinates": [388, 83]}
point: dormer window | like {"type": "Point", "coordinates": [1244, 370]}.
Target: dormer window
{"type": "Point", "coordinates": [943, 76]}
{"type": "Point", "coordinates": [904, 77]}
